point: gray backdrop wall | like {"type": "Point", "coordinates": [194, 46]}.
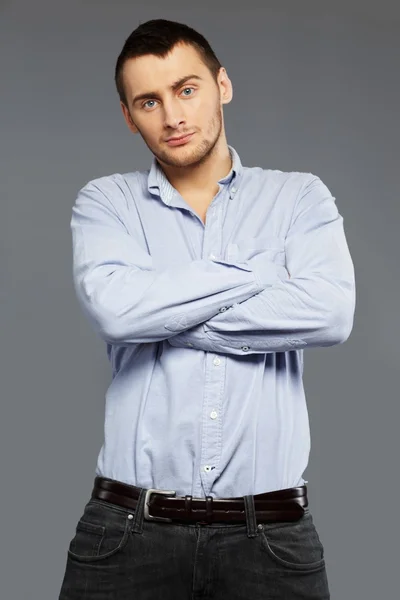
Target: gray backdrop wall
{"type": "Point", "coordinates": [316, 88]}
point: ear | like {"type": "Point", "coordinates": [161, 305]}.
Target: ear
{"type": "Point", "coordinates": [128, 119]}
{"type": "Point", "coordinates": [225, 86]}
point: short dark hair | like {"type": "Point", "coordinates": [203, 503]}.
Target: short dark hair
{"type": "Point", "coordinates": [158, 37]}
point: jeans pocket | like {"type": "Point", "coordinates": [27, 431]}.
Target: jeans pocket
{"type": "Point", "coordinates": [294, 545]}
{"type": "Point", "coordinates": [101, 532]}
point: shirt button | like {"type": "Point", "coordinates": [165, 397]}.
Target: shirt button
{"type": "Point", "coordinates": [223, 309]}
{"type": "Point", "coordinates": [214, 414]}
{"type": "Point", "coordinates": [217, 361]}
{"type": "Point", "coordinates": [207, 468]}
{"type": "Point", "coordinates": [245, 348]}
{"type": "Point", "coordinates": [189, 344]}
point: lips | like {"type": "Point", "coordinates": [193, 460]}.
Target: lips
{"type": "Point", "coordinates": [180, 140]}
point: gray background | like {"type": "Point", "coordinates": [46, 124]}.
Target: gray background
{"type": "Point", "coordinates": [316, 88]}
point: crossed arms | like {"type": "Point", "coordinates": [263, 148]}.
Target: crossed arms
{"type": "Point", "coordinates": [264, 309]}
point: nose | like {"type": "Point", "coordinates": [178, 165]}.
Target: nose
{"type": "Point", "coordinates": [173, 115]}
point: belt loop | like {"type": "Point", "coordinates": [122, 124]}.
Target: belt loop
{"type": "Point", "coordinates": [250, 512]}
{"type": "Point", "coordinates": [137, 526]}
{"type": "Point", "coordinates": [209, 508]}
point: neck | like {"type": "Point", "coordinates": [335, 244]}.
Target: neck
{"type": "Point", "coordinates": [201, 177]}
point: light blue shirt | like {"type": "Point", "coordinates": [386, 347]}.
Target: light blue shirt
{"type": "Point", "coordinates": [206, 324]}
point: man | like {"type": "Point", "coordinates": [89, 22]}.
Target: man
{"type": "Point", "coordinates": [207, 280]}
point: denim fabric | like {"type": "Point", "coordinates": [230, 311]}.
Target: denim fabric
{"type": "Point", "coordinates": [116, 554]}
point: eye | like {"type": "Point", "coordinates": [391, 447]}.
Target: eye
{"type": "Point", "coordinates": [145, 103]}
{"type": "Point", "coordinates": [188, 88]}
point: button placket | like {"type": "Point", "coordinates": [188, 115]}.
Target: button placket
{"type": "Point", "coordinates": [212, 434]}
{"type": "Point", "coordinates": [212, 423]}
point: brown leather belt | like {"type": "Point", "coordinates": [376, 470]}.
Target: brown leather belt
{"type": "Point", "coordinates": [163, 505]}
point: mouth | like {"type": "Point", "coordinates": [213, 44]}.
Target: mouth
{"type": "Point", "coordinates": [179, 141]}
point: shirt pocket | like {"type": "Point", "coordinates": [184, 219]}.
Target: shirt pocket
{"type": "Point", "coordinates": [245, 248]}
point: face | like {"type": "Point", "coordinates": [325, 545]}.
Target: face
{"type": "Point", "coordinates": [174, 96]}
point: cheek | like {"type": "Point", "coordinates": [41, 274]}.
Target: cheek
{"type": "Point", "coordinates": [149, 129]}
{"type": "Point", "coordinates": [214, 119]}
{"type": "Point", "coordinates": [206, 114]}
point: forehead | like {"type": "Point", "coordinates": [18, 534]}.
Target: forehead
{"type": "Point", "coordinates": [153, 72]}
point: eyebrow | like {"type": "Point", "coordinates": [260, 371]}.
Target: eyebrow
{"type": "Point", "coordinates": [174, 86]}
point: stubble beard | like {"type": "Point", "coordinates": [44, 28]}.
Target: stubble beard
{"type": "Point", "coordinates": [188, 156]}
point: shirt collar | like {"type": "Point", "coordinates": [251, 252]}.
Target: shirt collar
{"type": "Point", "coordinates": [158, 181]}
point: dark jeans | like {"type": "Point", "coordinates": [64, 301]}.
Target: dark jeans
{"type": "Point", "coordinates": [117, 555]}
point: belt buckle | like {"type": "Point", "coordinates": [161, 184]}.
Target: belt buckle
{"type": "Point", "coordinates": [149, 492]}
